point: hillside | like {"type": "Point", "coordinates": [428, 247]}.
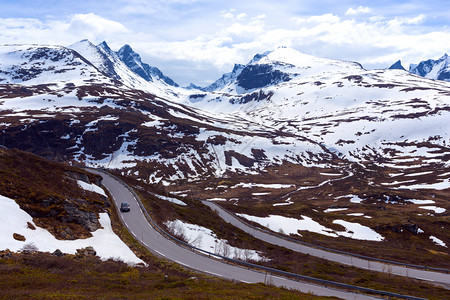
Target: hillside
{"type": "Point", "coordinates": [57, 196]}
{"type": "Point", "coordinates": [51, 197]}
{"type": "Point", "coordinates": [286, 135]}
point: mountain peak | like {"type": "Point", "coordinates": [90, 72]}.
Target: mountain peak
{"type": "Point", "coordinates": [85, 43]}
{"type": "Point", "coordinates": [134, 62]}
{"type": "Point", "coordinates": [433, 69]}
{"type": "Point", "coordinates": [103, 45]}
{"type": "Point", "coordinates": [397, 66]}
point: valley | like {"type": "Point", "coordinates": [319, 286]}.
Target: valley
{"type": "Point", "coordinates": [321, 151]}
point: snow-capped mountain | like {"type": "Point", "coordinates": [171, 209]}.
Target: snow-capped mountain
{"type": "Point", "coordinates": [225, 80]}
{"type": "Point", "coordinates": [286, 129]}
{"type": "Point", "coordinates": [376, 118]}
{"type": "Point", "coordinates": [433, 69]}
{"type": "Point", "coordinates": [276, 67]}
{"type": "Point", "coordinates": [397, 66]}
{"type": "Point", "coordinates": [282, 107]}
{"type": "Point", "coordinates": [32, 65]}
{"type": "Point", "coordinates": [123, 67]}
{"type": "Point", "coordinates": [134, 62]}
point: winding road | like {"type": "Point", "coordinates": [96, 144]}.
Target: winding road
{"type": "Point", "coordinates": [436, 277]}
{"type": "Point", "coordinates": [139, 226]}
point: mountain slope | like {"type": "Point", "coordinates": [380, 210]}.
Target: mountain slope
{"type": "Point", "coordinates": [369, 117]}
{"type": "Point", "coordinates": [433, 69]}
{"type": "Point", "coordinates": [134, 62]}
{"type": "Point", "coordinates": [397, 66]}
{"type": "Point", "coordinates": [33, 65]}
{"type": "Point", "coordinates": [111, 64]}
{"type": "Point", "coordinates": [291, 134]}
{"type": "Point", "coordinates": [53, 194]}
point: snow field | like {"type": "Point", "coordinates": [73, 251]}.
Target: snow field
{"type": "Point", "coordinates": [205, 239]}
{"type": "Point", "coordinates": [288, 226]}
{"type": "Point", "coordinates": [91, 187]}
{"type": "Point", "coordinates": [105, 242]}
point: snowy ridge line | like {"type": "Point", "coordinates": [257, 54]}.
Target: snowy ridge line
{"type": "Point", "coordinates": [258, 268]}
{"type": "Point", "coordinates": [447, 271]}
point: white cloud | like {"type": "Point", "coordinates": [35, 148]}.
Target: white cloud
{"type": "Point", "coordinates": [408, 20]}
{"type": "Point", "coordinates": [94, 25]}
{"type": "Point", "coordinates": [358, 11]}
{"type": "Point", "coordinates": [232, 14]}
{"type": "Point", "coordinates": [326, 18]}
{"type": "Point", "coordinates": [241, 16]}
{"type": "Point", "coordinates": [210, 45]}
{"type": "Point", "coordinates": [259, 17]}
{"type": "Point", "coordinates": [62, 31]}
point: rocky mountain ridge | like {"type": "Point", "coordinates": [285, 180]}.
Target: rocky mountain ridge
{"type": "Point", "coordinates": [284, 106]}
{"type": "Point", "coordinates": [287, 133]}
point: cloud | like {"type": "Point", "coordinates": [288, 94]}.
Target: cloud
{"type": "Point", "coordinates": [326, 18]}
{"type": "Point", "coordinates": [231, 14]}
{"type": "Point", "coordinates": [60, 31]}
{"type": "Point", "coordinates": [408, 20]}
{"type": "Point", "coordinates": [92, 25]}
{"type": "Point", "coordinates": [358, 11]}
{"type": "Point", "coordinates": [208, 43]}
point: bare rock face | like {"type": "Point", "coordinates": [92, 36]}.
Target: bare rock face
{"type": "Point", "coordinates": [86, 219]}
{"type": "Point", "coordinates": [5, 254]}
{"type": "Point", "coordinates": [58, 253]}
{"type": "Point", "coordinates": [88, 251]}
{"type": "Point", "coordinates": [413, 228]}
{"type": "Point", "coordinates": [19, 237]}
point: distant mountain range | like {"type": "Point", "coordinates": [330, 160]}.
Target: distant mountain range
{"type": "Point", "coordinates": [433, 69]}
{"type": "Point", "coordinates": [90, 104]}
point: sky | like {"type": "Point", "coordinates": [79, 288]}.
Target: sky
{"type": "Point", "coordinates": [199, 40]}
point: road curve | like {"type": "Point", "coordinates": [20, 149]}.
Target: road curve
{"type": "Point", "coordinates": [138, 225]}
{"type": "Point", "coordinates": [436, 277]}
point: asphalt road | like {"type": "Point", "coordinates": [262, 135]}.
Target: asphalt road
{"type": "Point", "coordinates": [138, 225]}
{"type": "Point", "coordinates": [336, 257]}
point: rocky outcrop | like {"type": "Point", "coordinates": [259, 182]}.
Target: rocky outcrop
{"type": "Point", "coordinates": [86, 219]}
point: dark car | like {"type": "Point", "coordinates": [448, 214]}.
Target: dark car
{"type": "Point", "coordinates": [124, 207]}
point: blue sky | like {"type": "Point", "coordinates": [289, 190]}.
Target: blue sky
{"type": "Point", "coordinates": [198, 40]}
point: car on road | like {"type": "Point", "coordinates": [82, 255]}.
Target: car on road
{"type": "Point", "coordinates": [124, 207]}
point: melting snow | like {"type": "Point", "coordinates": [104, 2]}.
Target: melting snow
{"type": "Point", "coordinates": [262, 185]}
{"type": "Point", "coordinates": [359, 215]}
{"type": "Point", "coordinates": [330, 174]}
{"type": "Point", "coordinates": [205, 239]}
{"type": "Point", "coordinates": [172, 200]}
{"type": "Point", "coordinates": [287, 202]}
{"type": "Point", "coordinates": [355, 199]}
{"type": "Point", "coordinates": [292, 226]}
{"type": "Point", "coordinates": [260, 194]}
{"type": "Point", "coordinates": [358, 231]}
{"type": "Point", "coordinates": [445, 184]}
{"type": "Point", "coordinates": [217, 199]}
{"type": "Point", "coordinates": [105, 242]}
{"type": "Point", "coordinates": [91, 187]}
{"type": "Point", "coordinates": [438, 241]}
{"type": "Point", "coordinates": [334, 209]}
{"type": "Point", "coordinates": [414, 201]}
{"type": "Point", "coordinates": [438, 210]}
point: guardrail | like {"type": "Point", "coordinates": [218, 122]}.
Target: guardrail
{"type": "Point", "coordinates": [333, 250]}
{"type": "Point", "coordinates": [254, 266]}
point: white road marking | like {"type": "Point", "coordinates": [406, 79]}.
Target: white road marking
{"type": "Point", "coordinates": [178, 262]}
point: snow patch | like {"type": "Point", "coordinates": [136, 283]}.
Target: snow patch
{"type": "Point", "coordinates": [172, 200]}
{"type": "Point", "coordinates": [105, 242]}
{"type": "Point", "coordinates": [205, 239]}
{"type": "Point", "coordinates": [334, 209]}
{"type": "Point", "coordinates": [288, 226]}
{"type": "Point", "coordinates": [91, 188]}
{"type": "Point", "coordinates": [438, 210]}
{"type": "Point", "coordinates": [438, 241]}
